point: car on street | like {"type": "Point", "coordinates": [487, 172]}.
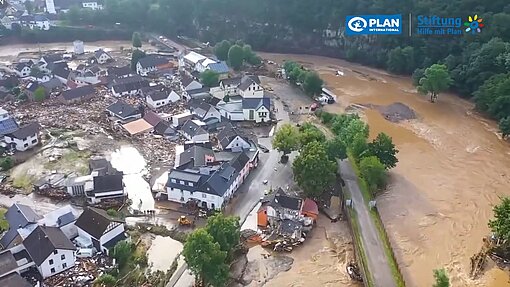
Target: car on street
{"type": "Point", "coordinates": [265, 181]}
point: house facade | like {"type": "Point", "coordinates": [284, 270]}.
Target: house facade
{"type": "Point", "coordinates": [24, 138]}
{"type": "Point", "coordinates": [123, 112]}
{"type": "Point", "coordinates": [194, 131]}
{"type": "Point", "coordinates": [99, 229]}
{"type": "Point", "coordinates": [106, 187]}
{"type": "Point", "coordinates": [151, 63]}
{"type": "Point", "coordinates": [157, 99]}
{"type": "Point", "coordinates": [250, 89]}
{"type": "Point", "coordinates": [22, 70]}
{"type": "Point", "coordinates": [257, 109]}
{"type": "Point", "coordinates": [101, 56]}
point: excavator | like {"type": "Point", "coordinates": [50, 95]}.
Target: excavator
{"type": "Point", "coordinates": [184, 221]}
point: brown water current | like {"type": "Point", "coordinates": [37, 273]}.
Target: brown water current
{"type": "Point", "coordinates": [452, 169]}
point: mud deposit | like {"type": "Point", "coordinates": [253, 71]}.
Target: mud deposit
{"type": "Point", "coordinates": [453, 167]}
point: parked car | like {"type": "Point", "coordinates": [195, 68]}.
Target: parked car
{"type": "Point", "coordinates": [263, 148]}
{"type": "Point", "coordinates": [85, 253]}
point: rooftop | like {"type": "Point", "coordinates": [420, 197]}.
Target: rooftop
{"type": "Point", "coordinates": [44, 240]}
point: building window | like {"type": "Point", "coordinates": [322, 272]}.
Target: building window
{"type": "Point", "coordinates": [52, 270]}
{"type": "Point", "coordinates": [55, 252]}
{"type": "Point", "coordinates": [34, 141]}
{"type": "Point", "coordinates": [25, 145]}
{"type": "Point", "coordinates": [204, 195]}
{"type": "Point", "coordinates": [62, 257]}
{"type": "Point", "coordinates": [51, 262]}
{"type": "Point", "coordinates": [182, 182]}
{"type": "Point", "coordinates": [64, 265]}
{"type": "Point", "coordinates": [190, 183]}
{"type": "Point", "coordinates": [173, 180]}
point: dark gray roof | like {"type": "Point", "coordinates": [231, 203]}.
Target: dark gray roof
{"type": "Point", "coordinates": [192, 129]}
{"type": "Point", "coordinates": [204, 90]}
{"type": "Point", "coordinates": [44, 240]}
{"type": "Point", "coordinates": [94, 69]}
{"type": "Point", "coordinates": [14, 280]}
{"type": "Point", "coordinates": [99, 52]}
{"type": "Point", "coordinates": [52, 84]}
{"type": "Point", "coordinates": [50, 58]}
{"type": "Point", "coordinates": [254, 78]}
{"type": "Point", "coordinates": [152, 61]}
{"type": "Point", "coordinates": [231, 81]}
{"type": "Point", "coordinates": [119, 71]}
{"type": "Point", "coordinates": [61, 72]}
{"type": "Point", "coordinates": [101, 166]}
{"type": "Point", "coordinates": [19, 67]}
{"type": "Point", "coordinates": [130, 83]}
{"type": "Point", "coordinates": [195, 156]}
{"type": "Point", "coordinates": [239, 161]}
{"type": "Point", "coordinates": [106, 183]}
{"type": "Point", "coordinates": [25, 131]}
{"type": "Point", "coordinates": [18, 216]}
{"type": "Point", "coordinates": [201, 109]}
{"type": "Point", "coordinates": [158, 95]}
{"type": "Point", "coordinates": [65, 219]}
{"type": "Point", "coordinates": [95, 221]}
{"type": "Point", "coordinates": [7, 126]}
{"type": "Point", "coordinates": [122, 110]}
{"type": "Point", "coordinates": [78, 93]}
{"type": "Point", "coordinates": [185, 80]}
{"type": "Point", "coordinates": [7, 262]}
{"type": "Point", "coordinates": [256, 103]}
{"type": "Point", "coordinates": [163, 128]}
{"type": "Point", "coordinates": [245, 84]}
{"type": "Point", "coordinates": [191, 176]}
{"type": "Point", "coordinates": [219, 182]}
{"type": "Point", "coordinates": [227, 134]}
{"type": "Point", "coordinates": [283, 200]}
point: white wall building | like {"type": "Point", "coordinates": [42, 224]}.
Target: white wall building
{"type": "Point", "coordinates": [159, 99]}
{"type": "Point", "coordinates": [79, 47]}
{"type": "Point", "coordinates": [99, 229]}
{"type": "Point", "coordinates": [24, 138]}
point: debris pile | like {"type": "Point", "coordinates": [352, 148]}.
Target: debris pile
{"type": "Point", "coordinates": [83, 273]}
{"type": "Point", "coordinates": [353, 271]}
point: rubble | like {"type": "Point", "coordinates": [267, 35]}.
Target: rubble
{"type": "Point", "coordinates": [83, 273]}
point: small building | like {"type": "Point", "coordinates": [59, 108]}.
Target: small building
{"type": "Point", "coordinates": [206, 113]}
{"type": "Point", "coordinates": [24, 138]}
{"type": "Point", "coordinates": [79, 48]}
{"type": "Point", "coordinates": [40, 22]}
{"type": "Point", "coordinates": [102, 57]}
{"type": "Point", "coordinates": [7, 123]}
{"type": "Point", "coordinates": [220, 68]}
{"type": "Point", "coordinates": [157, 99]}
{"type": "Point", "coordinates": [77, 95]}
{"type": "Point", "coordinates": [188, 84]}
{"type": "Point", "coordinates": [165, 130]}
{"type": "Point", "coordinates": [22, 69]}
{"type": "Point", "coordinates": [18, 216]}
{"type": "Point", "coordinates": [152, 63]}
{"type": "Point", "coordinates": [229, 86]}
{"type": "Point", "coordinates": [106, 187]}
{"type": "Point", "coordinates": [139, 126]}
{"type": "Point", "coordinates": [233, 110]}
{"type": "Point", "coordinates": [130, 85]}
{"type": "Point", "coordinates": [123, 112]}
{"type": "Point", "coordinates": [180, 119]}
{"type": "Point", "coordinates": [51, 251]}
{"type": "Point", "coordinates": [80, 185]}
{"type": "Point", "coordinates": [202, 65]}
{"type": "Point", "coordinates": [63, 218]}
{"type": "Point", "coordinates": [120, 72]}
{"type": "Point", "coordinates": [231, 139]}
{"type": "Point", "coordinates": [101, 230]}
{"type": "Point", "coordinates": [250, 87]}
{"type": "Point", "coordinates": [193, 131]}
{"type": "Point", "coordinates": [257, 109]}
{"type": "Point", "coordinates": [190, 60]}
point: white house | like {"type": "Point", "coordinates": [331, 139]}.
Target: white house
{"type": "Point", "coordinates": [79, 186]}
{"type": "Point", "coordinates": [191, 60]}
{"type": "Point", "coordinates": [51, 251]}
{"type": "Point", "coordinates": [229, 86]}
{"type": "Point", "coordinates": [157, 99]}
{"type": "Point", "coordinates": [203, 64]}
{"type": "Point", "coordinates": [131, 85]}
{"type": "Point", "coordinates": [180, 119]}
{"type": "Point", "coordinates": [231, 110]}
{"type": "Point", "coordinates": [257, 109]}
{"type": "Point", "coordinates": [24, 138]}
{"type": "Point", "coordinates": [188, 84]}
{"type": "Point", "coordinates": [35, 22]}
{"type": "Point", "coordinates": [250, 89]}
{"type": "Point", "coordinates": [151, 63]}
{"type": "Point", "coordinates": [210, 186]}
{"type": "Point", "coordinates": [101, 56]}
{"type": "Point", "coordinates": [106, 187]}
{"type": "Point", "coordinates": [100, 230]}
{"type": "Point", "coordinates": [206, 112]}
{"type": "Point", "coordinates": [194, 131]}
{"type": "Point", "coordinates": [22, 70]}
{"type": "Point", "coordinates": [230, 139]}
{"type": "Point", "coordinates": [123, 112]}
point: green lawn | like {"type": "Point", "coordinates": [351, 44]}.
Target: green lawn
{"type": "Point", "coordinates": [4, 225]}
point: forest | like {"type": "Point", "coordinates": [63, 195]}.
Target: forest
{"type": "Point", "coordinates": [479, 64]}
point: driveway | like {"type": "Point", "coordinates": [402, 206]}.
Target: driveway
{"type": "Point", "coordinates": [378, 264]}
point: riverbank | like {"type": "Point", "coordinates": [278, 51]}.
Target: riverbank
{"type": "Point", "coordinates": [451, 170]}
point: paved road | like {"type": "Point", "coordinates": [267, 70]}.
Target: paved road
{"type": "Point", "coordinates": [378, 264]}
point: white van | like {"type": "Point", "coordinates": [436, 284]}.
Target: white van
{"type": "Point", "coordinates": [85, 252]}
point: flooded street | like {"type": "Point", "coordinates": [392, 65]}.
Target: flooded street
{"type": "Point", "coordinates": [452, 169]}
{"type": "Point", "coordinates": [162, 252]}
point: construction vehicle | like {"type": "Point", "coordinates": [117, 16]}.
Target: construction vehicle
{"type": "Point", "coordinates": [184, 221]}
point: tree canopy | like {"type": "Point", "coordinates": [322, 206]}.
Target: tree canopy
{"type": "Point", "coordinates": [236, 57]}
{"type": "Point", "coordinates": [122, 252]}
{"type": "Point", "coordinates": [374, 172]}
{"type": "Point", "coordinates": [205, 258]}
{"type": "Point", "coordinates": [309, 133]}
{"type": "Point", "coordinates": [500, 225]}
{"type": "Point", "coordinates": [312, 84]}
{"type": "Point", "coordinates": [135, 57]}
{"type": "Point", "coordinates": [384, 149]}
{"type": "Point", "coordinates": [39, 94]}
{"type": "Point", "coordinates": [435, 80]}
{"type": "Point", "coordinates": [441, 278]}
{"type": "Point", "coordinates": [209, 78]}
{"type": "Point", "coordinates": [225, 230]}
{"type": "Point", "coordinates": [136, 40]}
{"type": "Point", "coordinates": [221, 50]}
{"type": "Point", "coordinates": [313, 171]}
{"type": "Point", "coordinates": [286, 139]}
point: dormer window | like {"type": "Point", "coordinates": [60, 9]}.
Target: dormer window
{"type": "Point", "coordinates": [173, 180]}
{"type": "Point", "coordinates": [190, 183]}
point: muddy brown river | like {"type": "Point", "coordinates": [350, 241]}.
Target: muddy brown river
{"type": "Point", "coordinates": [452, 169]}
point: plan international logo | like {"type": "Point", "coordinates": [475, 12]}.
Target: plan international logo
{"type": "Point", "coordinates": [373, 24]}
{"type": "Point", "coordinates": [435, 25]}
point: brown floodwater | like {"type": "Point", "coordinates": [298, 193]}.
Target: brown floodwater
{"type": "Point", "coordinates": [452, 169]}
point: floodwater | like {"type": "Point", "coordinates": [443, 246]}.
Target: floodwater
{"type": "Point", "coordinates": [162, 252]}
{"type": "Point", "coordinates": [14, 50]}
{"type": "Point", "coordinates": [128, 160]}
{"type": "Point", "coordinates": [452, 169]}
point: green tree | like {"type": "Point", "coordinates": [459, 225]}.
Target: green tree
{"type": "Point", "coordinates": [6, 163]}
{"type": "Point", "coordinates": [209, 78]}
{"type": "Point", "coordinates": [136, 40]}
{"type": "Point", "coordinates": [336, 149]}
{"type": "Point", "coordinates": [384, 149]}
{"type": "Point", "coordinates": [106, 280]}
{"type": "Point", "coordinates": [236, 57]}
{"type": "Point", "coordinates": [122, 252]}
{"type": "Point", "coordinates": [501, 223]}
{"type": "Point", "coordinates": [374, 173]}
{"type": "Point", "coordinates": [225, 230]}
{"type": "Point", "coordinates": [504, 127]}
{"type": "Point", "coordinates": [205, 259]}
{"type": "Point", "coordinates": [221, 50]}
{"type": "Point", "coordinates": [313, 84]}
{"type": "Point", "coordinates": [435, 80]}
{"type": "Point", "coordinates": [135, 57]}
{"type": "Point", "coordinates": [351, 127]}
{"type": "Point", "coordinates": [286, 139]}
{"type": "Point", "coordinates": [401, 60]}
{"type": "Point", "coordinates": [296, 74]}
{"type": "Point", "coordinates": [309, 133]}
{"type": "Point", "coordinates": [441, 278]}
{"type": "Point", "coordinates": [359, 147]}
{"type": "Point", "coordinates": [313, 171]}
{"type": "Point", "coordinates": [40, 94]}
{"type": "Point", "coordinates": [493, 96]}
{"type": "Point", "coordinates": [289, 66]}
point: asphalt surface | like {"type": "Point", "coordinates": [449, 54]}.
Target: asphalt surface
{"type": "Point", "coordinates": [373, 247]}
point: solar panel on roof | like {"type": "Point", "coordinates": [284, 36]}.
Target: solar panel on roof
{"type": "Point", "coordinates": [8, 126]}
